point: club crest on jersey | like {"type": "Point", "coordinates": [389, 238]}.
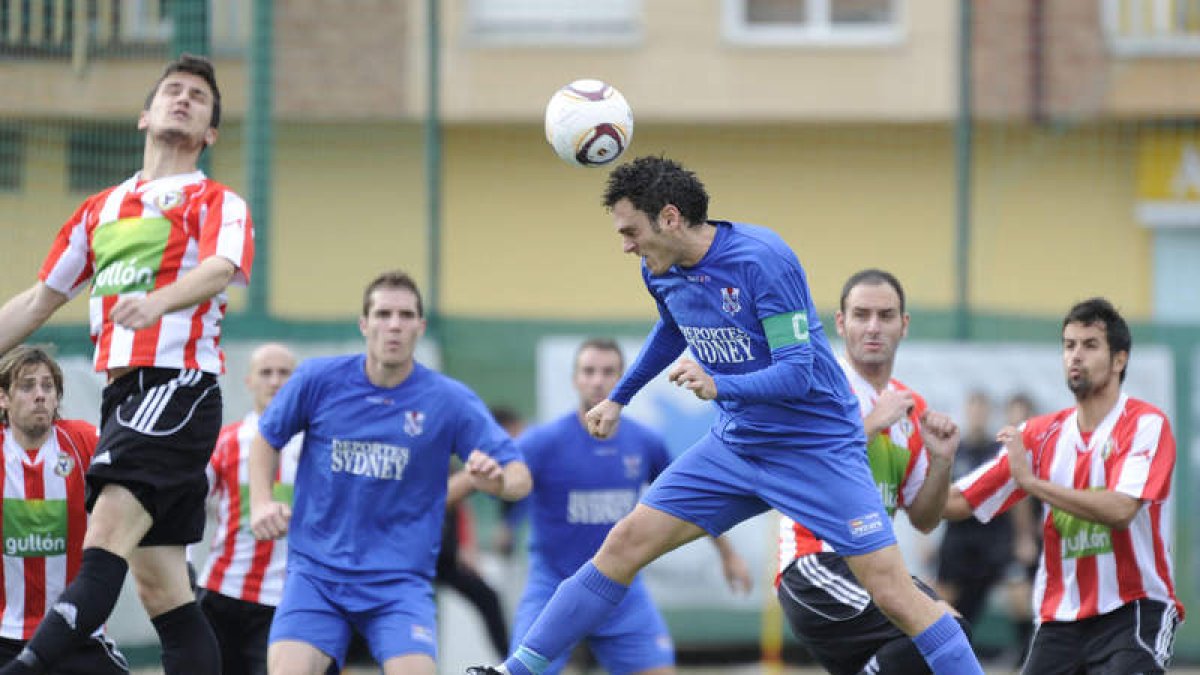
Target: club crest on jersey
{"type": "Point", "coordinates": [730, 299]}
{"type": "Point", "coordinates": [906, 427]}
{"type": "Point", "coordinates": [633, 466]}
{"type": "Point", "coordinates": [414, 422]}
{"type": "Point", "coordinates": [63, 465]}
{"type": "Point", "coordinates": [169, 200]}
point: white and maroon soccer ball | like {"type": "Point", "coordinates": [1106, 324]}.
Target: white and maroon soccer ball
{"type": "Point", "coordinates": [588, 123]}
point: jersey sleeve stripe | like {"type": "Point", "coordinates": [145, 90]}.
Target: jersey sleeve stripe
{"type": "Point", "coordinates": [234, 236]}
{"type": "Point", "coordinates": [67, 267]}
{"type": "Point", "coordinates": [990, 489]}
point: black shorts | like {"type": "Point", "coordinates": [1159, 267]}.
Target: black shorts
{"type": "Point", "coordinates": [242, 629]}
{"type": "Point", "coordinates": [158, 427]}
{"type": "Point", "coordinates": [834, 618]}
{"type": "Point", "coordinates": [93, 656]}
{"type": "Point", "coordinates": [1137, 638]}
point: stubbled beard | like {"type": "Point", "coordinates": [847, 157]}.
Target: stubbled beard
{"type": "Point", "coordinates": [1082, 387]}
{"type": "Point", "coordinates": [35, 430]}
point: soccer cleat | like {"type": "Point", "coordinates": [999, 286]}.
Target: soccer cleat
{"type": "Point", "coordinates": [484, 670]}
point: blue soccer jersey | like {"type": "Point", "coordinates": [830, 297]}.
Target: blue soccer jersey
{"type": "Point", "coordinates": [582, 486]}
{"type": "Point", "coordinates": [746, 314]}
{"type": "Point", "coordinates": [370, 487]}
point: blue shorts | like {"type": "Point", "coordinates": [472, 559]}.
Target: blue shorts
{"type": "Point", "coordinates": [831, 491]}
{"type": "Point", "coordinates": [397, 617]}
{"type": "Point", "coordinates": [632, 639]}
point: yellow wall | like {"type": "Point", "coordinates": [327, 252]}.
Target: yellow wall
{"type": "Point", "coordinates": [525, 235]}
{"type": "Point", "coordinates": [1053, 216]}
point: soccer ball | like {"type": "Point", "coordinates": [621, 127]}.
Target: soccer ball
{"type": "Point", "coordinates": [588, 123]}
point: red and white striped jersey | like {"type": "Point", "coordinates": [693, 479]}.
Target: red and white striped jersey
{"type": "Point", "coordinates": [240, 566]}
{"type": "Point", "coordinates": [898, 463]}
{"type": "Point", "coordinates": [1086, 568]}
{"type": "Point", "coordinates": [44, 518]}
{"type": "Point", "coordinates": [139, 236]}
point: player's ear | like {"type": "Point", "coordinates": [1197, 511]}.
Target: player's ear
{"type": "Point", "coordinates": [669, 215]}
{"type": "Point", "coordinates": [839, 320]}
{"type": "Point", "coordinates": [1120, 361]}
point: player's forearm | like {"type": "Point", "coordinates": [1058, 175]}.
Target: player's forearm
{"type": "Point", "coordinates": [517, 482]}
{"type": "Point", "coordinates": [199, 285]}
{"type": "Point", "coordinates": [263, 464]}
{"type": "Point", "coordinates": [25, 312]}
{"type": "Point", "coordinates": [927, 507]}
{"type": "Point", "coordinates": [957, 506]}
{"type": "Point", "coordinates": [1111, 509]}
{"type": "Point", "coordinates": [458, 487]}
{"type": "Point", "coordinates": [789, 377]}
{"type": "Point", "coordinates": [662, 346]}
{"type": "Point", "coordinates": [724, 548]}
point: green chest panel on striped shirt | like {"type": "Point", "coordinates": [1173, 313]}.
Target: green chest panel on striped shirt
{"type": "Point", "coordinates": [888, 464]}
{"type": "Point", "coordinates": [34, 528]}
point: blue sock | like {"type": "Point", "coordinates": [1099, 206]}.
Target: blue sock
{"type": "Point", "coordinates": [578, 606]}
{"type": "Point", "coordinates": [946, 648]}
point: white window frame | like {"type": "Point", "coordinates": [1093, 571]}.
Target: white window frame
{"type": "Point", "coordinates": [818, 31]}
{"type": "Point", "coordinates": [554, 23]}
{"type": "Point", "coordinates": [1152, 36]}
{"type": "Point", "coordinates": [139, 23]}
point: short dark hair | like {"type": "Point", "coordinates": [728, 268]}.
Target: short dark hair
{"type": "Point", "coordinates": [505, 416]}
{"type": "Point", "coordinates": [18, 359]}
{"type": "Point", "coordinates": [602, 344]}
{"type": "Point", "coordinates": [392, 279]}
{"type": "Point", "coordinates": [650, 183]}
{"type": "Point", "coordinates": [873, 277]}
{"type": "Point", "coordinates": [200, 67]}
{"type": "Point", "coordinates": [1116, 332]}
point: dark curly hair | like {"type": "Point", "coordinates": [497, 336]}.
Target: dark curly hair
{"type": "Point", "coordinates": [650, 183]}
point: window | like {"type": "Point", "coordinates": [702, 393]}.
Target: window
{"type": "Point", "coordinates": [12, 158]}
{"type": "Point", "coordinates": [1152, 27]}
{"type": "Point", "coordinates": [100, 156]}
{"type": "Point", "coordinates": [813, 22]}
{"type": "Point", "coordinates": [589, 23]}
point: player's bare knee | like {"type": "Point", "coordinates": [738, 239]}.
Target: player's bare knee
{"type": "Point", "coordinates": [626, 549]}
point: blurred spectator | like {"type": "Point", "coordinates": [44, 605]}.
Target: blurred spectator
{"type": "Point", "coordinates": [1027, 540]}
{"type": "Point", "coordinates": [974, 557]}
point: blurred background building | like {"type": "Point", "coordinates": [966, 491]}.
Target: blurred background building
{"type": "Point", "coordinates": [1004, 159]}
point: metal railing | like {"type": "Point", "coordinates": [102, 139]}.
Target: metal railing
{"type": "Point", "coordinates": [1152, 27]}
{"type": "Point", "coordinates": [86, 29]}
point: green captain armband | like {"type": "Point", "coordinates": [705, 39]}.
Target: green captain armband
{"type": "Point", "coordinates": [789, 328]}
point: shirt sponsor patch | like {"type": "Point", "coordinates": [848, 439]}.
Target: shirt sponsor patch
{"type": "Point", "coordinates": [865, 525]}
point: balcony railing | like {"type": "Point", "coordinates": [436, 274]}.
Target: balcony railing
{"type": "Point", "coordinates": [87, 29]}
{"type": "Point", "coordinates": [1153, 27]}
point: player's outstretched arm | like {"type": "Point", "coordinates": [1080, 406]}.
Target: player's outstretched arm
{"type": "Point", "coordinates": [25, 312]}
{"type": "Point", "coordinates": [268, 518]}
{"type": "Point", "coordinates": [198, 285]}
{"type": "Point", "coordinates": [509, 482]}
{"type": "Point", "coordinates": [1112, 509]}
{"type": "Point", "coordinates": [737, 573]}
{"type": "Point", "coordinates": [940, 436]}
